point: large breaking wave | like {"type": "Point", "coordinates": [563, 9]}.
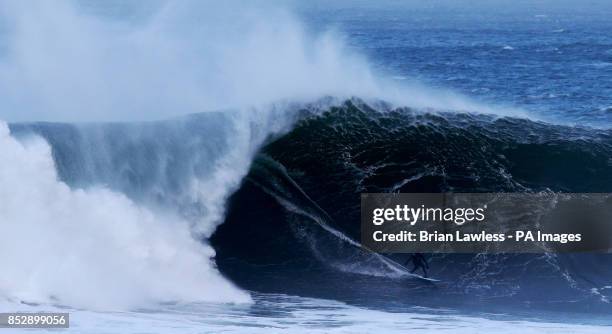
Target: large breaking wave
{"type": "Point", "coordinates": [110, 221]}
{"type": "Point", "coordinates": [110, 211]}
{"type": "Point", "coordinates": [292, 225]}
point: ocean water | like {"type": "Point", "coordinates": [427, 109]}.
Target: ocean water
{"type": "Point", "coordinates": [553, 59]}
{"type": "Point", "coordinates": [196, 167]}
{"type": "Point", "coordinates": [271, 313]}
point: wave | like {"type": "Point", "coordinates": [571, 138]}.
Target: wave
{"type": "Point", "coordinates": [274, 196]}
{"type": "Point", "coordinates": [147, 189]}
{"type": "Point", "coordinates": [149, 62]}
{"type": "Point", "coordinates": [307, 184]}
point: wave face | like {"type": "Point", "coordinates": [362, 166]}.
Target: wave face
{"type": "Point", "coordinates": [296, 218]}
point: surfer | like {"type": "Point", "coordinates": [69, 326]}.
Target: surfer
{"type": "Point", "coordinates": [418, 261]}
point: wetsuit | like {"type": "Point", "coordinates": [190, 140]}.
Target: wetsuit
{"type": "Point", "coordinates": [418, 261]}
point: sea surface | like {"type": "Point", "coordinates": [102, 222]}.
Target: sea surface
{"type": "Point", "coordinates": [553, 59]}
{"type": "Point", "coordinates": [272, 197]}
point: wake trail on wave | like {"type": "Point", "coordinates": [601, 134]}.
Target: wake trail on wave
{"type": "Point", "coordinates": [279, 184]}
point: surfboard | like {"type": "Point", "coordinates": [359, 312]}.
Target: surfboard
{"type": "Point", "coordinates": [428, 279]}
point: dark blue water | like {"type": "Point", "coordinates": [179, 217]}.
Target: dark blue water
{"type": "Point", "coordinates": [555, 62]}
